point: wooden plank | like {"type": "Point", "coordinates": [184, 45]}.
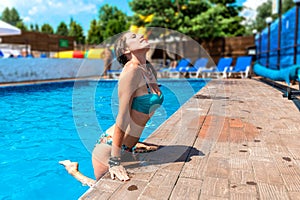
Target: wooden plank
{"type": "Point", "coordinates": [103, 190]}
{"type": "Point", "coordinates": [195, 167]}
{"type": "Point", "coordinates": [292, 182]}
{"type": "Point", "coordinates": [166, 176]}
{"type": "Point", "coordinates": [249, 189]}
{"type": "Point", "coordinates": [239, 176]}
{"type": "Point", "coordinates": [257, 153]}
{"type": "Point", "coordinates": [294, 195]}
{"type": "Point", "coordinates": [295, 153]}
{"type": "Point", "coordinates": [217, 167]}
{"type": "Point", "coordinates": [163, 180]}
{"type": "Point", "coordinates": [130, 190]}
{"type": "Point", "coordinates": [240, 163]}
{"type": "Point", "coordinates": [221, 149]}
{"type": "Point", "coordinates": [215, 187]}
{"type": "Point", "coordinates": [274, 192]}
{"type": "Point", "coordinates": [209, 197]}
{"type": "Point", "coordinates": [243, 196]}
{"type": "Point", "coordinates": [186, 188]}
{"type": "Point", "coordinates": [266, 172]}
{"type": "Point", "coordinates": [153, 192]}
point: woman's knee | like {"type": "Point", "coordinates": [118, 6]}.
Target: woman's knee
{"type": "Point", "coordinates": [99, 168]}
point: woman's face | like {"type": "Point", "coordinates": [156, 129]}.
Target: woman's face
{"type": "Point", "coordinates": [136, 42]}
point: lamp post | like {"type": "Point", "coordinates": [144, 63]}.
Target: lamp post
{"type": "Point", "coordinates": [296, 31]}
{"type": "Point", "coordinates": [254, 32]}
{"type": "Point", "coordinates": [268, 21]}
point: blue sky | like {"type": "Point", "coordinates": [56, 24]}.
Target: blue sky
{"type": "Point", "coordinates": [82, 11]}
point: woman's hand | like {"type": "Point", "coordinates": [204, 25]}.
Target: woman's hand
{"type": "Point", "coordinates": [116, 169]}
{"type": "Point", "coordinates": [119, 172]}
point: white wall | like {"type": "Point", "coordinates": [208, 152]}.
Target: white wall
{"type": "Point", "coordinates": [31, 69]}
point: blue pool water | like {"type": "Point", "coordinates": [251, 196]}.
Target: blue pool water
{"type": "Point", "coordinates": [43, 124]}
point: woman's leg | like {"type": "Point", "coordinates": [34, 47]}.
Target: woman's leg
{"type": "Point", "coordinates": [100, 157]}
{"type": "Point", "coordinates": [99, 168]}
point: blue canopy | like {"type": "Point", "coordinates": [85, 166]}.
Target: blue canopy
{"type": "Point", "coordinates": [286, 42]}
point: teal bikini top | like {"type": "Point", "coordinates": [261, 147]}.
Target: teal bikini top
{"type": "Point", "coordinates": [147, 103]}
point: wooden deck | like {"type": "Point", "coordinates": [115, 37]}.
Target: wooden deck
{"type": "Point", "coordinates": [235, 139]}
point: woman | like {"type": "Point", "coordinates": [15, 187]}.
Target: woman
{"type": "Point", "coordinates": [107, 57]}
{"type": "Point", "coordinates": [139, 96]}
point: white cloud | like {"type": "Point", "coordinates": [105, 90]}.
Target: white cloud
{"type": "Point", "coordinates": [83, 8]}
{"type": "Point", "coordinates": [250, 7]}
{"type": "Point", "coordinates": [249, 10]}
{"type": "Point", "coordinates": [6, 3]}
{"type": "Point", "coordinates": [26, 19]}
{"type": "Point", "coordinates": [253, 4]}
{"type": "Point", "coordinates": [33, 10]}
{"type": "Point", "coordinates": [55, 11]}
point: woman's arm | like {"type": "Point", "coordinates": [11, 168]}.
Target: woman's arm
{"type": "Point", "coordinates": [128, 84]}
{"type": "Point", "coordinates": [72, 168]}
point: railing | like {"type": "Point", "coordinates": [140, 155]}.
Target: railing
{"type": "Point", "coordinates": [285, 56]}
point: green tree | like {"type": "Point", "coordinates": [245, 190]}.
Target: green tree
{"type": "Point", "coordinates": [31, 27]}
{"type": "Point", "coordinates": [199, 24]}
{"type": "Point", "coordinates": [11, 16]}
{"type": "Point", "coordinates": [112, 21]}
{"type": "Point", "coordinates": [34, 28]}
{"type": "Point", "coordinates": [6, 15]}
{"type": "Point", "coordinates": [77, 31]}
{"type": "Point", "coordinates": [265, 10]}
{"type": "Point", "coordinates": [230, 21]}
{"type": "Point", "coordinates": [198, 19]}
{"type": "Point", "coordinates": [94, 34]}
{"type": "Point", "coordinates": [62, 29]}
{"type": "Point", "coordinates": [286, 5]}
{"type": "Point", "coordinates": [46, 28]}
{"type": "Point", "coordinates": [37, 29]}
{"type": "Point", "coordinates": [22, 26]}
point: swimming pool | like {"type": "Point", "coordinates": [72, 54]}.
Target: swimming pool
{"type": "Point", "coordinates": [42, 124]}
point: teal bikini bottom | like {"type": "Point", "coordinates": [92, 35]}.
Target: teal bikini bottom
{"type": "Point", "coordinates": [107, 139]}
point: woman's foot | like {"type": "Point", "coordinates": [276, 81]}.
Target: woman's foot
{"type": "Point", "coordinates": [142, 147]}
{"type": "Point", "coordinates": [71, 167]}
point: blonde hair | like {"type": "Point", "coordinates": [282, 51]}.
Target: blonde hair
{"type": "Point", "coordinates": [120, 47]}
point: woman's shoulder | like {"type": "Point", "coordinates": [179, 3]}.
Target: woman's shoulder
{"type": "Point", "coordinates": [130, 71]}
{"type": "Point", "coordinates": [131, 67]}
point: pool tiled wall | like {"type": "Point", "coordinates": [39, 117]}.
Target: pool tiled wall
{"type": "Point", "coordinates": [27, 69]}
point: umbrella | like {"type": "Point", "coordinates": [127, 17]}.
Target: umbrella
{"type": "Point", "coordinates": [7, 29]}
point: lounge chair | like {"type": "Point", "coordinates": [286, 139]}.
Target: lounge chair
{"type": "Point", "coordinates": [180, 68]}
{"type": "Point", "coordinates": [197, 68]}
{"type": "Point", "coordinates": [115, 70]}
{"type": "Point", "coordinates": [115, 74]}
{"type": "Point", "coordinates": [219, 70]}
{"type": "Point", "coordinates": [241, 67]}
